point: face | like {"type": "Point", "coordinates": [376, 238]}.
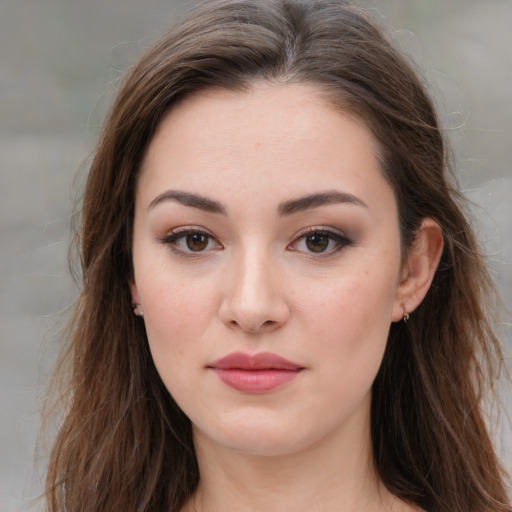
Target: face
{"type": "Point", "coordinates": [266, 257]}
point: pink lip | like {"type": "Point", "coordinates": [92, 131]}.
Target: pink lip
{"type": "Point", "coordinates": [255, 373]}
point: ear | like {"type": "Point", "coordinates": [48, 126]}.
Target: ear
{"type": "Point", "coordinates": [134, 292]}
{"type": "Point", "coordinates": [419, 269]}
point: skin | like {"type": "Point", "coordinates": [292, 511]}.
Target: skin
{"type": "Point", "coordinates": [253, 281]}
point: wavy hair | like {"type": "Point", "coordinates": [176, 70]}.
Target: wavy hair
{"type": "Point", "coordinates": [124, 444]}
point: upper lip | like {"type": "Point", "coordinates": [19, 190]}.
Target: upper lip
{"type": "Point", "coordinates": [259, 361]}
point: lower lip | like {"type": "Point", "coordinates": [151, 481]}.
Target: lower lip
{"type": "Point", "coordinates": [256, 381]}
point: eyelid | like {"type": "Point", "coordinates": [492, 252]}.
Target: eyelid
{"type": "Point", "coordinates": [341, 239]}
{"type": "Point", "coordinates": [335, 235]}
{"type": "Point", "coordinates": [172, 236]}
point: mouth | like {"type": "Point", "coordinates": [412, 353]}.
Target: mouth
{"type": "Point", "coordinates": [255, 373]}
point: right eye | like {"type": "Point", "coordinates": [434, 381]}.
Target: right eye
{"type": "Point", "coordinates": [188, 242]}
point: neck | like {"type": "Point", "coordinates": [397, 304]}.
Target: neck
{"type": "Point", "coordinates": [336, 473]}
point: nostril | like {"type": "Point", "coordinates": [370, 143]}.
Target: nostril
{"type": "Point", "coordinates": [254, 328]}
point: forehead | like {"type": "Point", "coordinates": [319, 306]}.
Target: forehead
{"type": "Point", "coordinates": [279, 138]}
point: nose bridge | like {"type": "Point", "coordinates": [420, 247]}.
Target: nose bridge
{"type": "Point", "coordinates": [254, 298]}
{"type": "Point", "coordinates": [254, 268]}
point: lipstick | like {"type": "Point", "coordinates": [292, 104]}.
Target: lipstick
{"type": "Point", "coordinates": [255, 373]}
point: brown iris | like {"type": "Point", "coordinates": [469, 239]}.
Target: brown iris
{"type": "Point", "coordinates": [196, 241]}
{"type": "Point", "coordinates": [317, 242]}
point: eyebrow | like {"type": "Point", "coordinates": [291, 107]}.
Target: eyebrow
{"type": "Point", "coordinates": [287, 208]}
{"type": "Point", "coordinates": [316, 200]}
{"type": "Point", "coordinates": [188, 199]}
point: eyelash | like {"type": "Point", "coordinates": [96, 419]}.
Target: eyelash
{"type": "Point", "coordinates": [340, 240]}
{"type": "Point", "coordinates": [174, 236]}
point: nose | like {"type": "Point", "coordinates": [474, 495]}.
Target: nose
{"type": "Point", "coordinates": [254, 295]}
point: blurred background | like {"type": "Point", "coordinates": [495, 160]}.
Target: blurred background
{"type": "Point", "coordinates": [59, 64]}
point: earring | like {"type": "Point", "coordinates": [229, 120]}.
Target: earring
{"type": "Point", "coordinates": [137, 309]}
{"type": "Point", "coordinates": [406, 315]}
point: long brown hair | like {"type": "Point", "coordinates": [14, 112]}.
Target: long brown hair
{"type": "Point", "coordinates": [124, 444]}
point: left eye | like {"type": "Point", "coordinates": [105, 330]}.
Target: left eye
{"type": "Point", "coordinates": [320, 242]}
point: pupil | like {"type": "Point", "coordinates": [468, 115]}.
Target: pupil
{"type": "Point", "coordinates": [317, 243]}
{"type": "Point", "coordinates": [197, 242]}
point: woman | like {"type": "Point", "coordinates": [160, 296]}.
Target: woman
{"type": "Point", "coordinates": [283, 305]}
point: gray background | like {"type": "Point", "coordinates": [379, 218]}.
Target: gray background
{"type": "Point", "coordinates": [59, 61]}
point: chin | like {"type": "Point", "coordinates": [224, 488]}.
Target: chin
{"type": "Point", "coordinates": [258, 438]}
{"type": "Point", "coordinates": [261, 445]}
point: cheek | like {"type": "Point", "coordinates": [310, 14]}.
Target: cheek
{"type": "Point", "coordinates": [351, 314]}
{"type": "Point", "coordinates": [356, 301]}
{"type": "Point", "coordinates": [349, 329]}
{"type": "Point", "coordinates": [177, 315]}
{"type": "Point", "coordinates": [177, 311]}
